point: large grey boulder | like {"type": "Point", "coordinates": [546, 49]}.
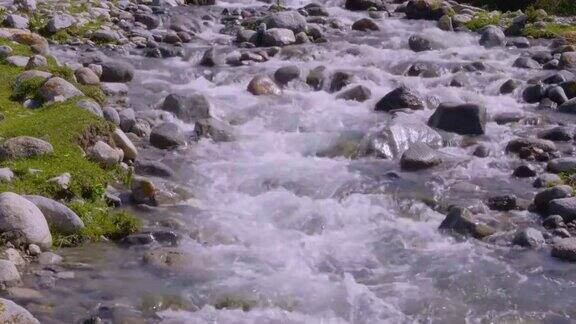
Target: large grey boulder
{"type": "Point", "coordinates": [565, 249]}
{"type": "Point", "coordinates": [167, 135]}
{"type": "Point", "coordinates": [563, 164]}
{"type": "Point", "coordinates": [21, 219]}
{"type": "Point", "coordinates": [187, 108]}
{"type": "Point", "coordinates": [91, 106]}
{"type": "Point", "coordinates": [278, 37]}
{"type": "Point", "coordinates": [87, 76]}
{"type": "Point", "coordinates": [114, 71]}
{"type": "Point", "coordinates": [9, 275]}
{"type": "Point", "coordinates": [565, 207]}
{"type": "Point", "coordinates": [544, 197]}
{"type": "Point", "coordinates": [291, 20]}
{"type": "Point", "coordinates": [262, 85]}
{"type": "Point", "coordinates": [463, 119]}
{"type": "Point", "coordinates": [60, 21]}
{"type": "Point", "coordinates": [58, 216]}
{"type": "Point", "coordinates": [419, 156]}
{"type": "Point", "coordinates": [104, 155]}
{"type": "Point", "coordinates": [24, 147]}
{"type": "Point", "coordinates": [492, 36]}
{"type": "Point", "coordinates": [125, 144]}
{"type": "Point", "coordinates": [58, 89]}
{"type": "Point", "coordinates": [10, 312]}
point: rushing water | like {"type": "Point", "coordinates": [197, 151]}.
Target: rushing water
{"type": "Point", "coordinates": [304, 238]}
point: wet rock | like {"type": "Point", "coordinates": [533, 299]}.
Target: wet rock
{"type": "Point", "coordinates": [214, 129]}
{"type": "Point", "coordinates": [524, 62]}
{"type": "Point", "coordinates": [286, 74]}
{"type": "Point", "coordinates": [127, 119]}
{"type": "Point", "coordinates": [111, 115]}
{"type": "Point", "coordinates": [399, 98]}
{"type": "Point", "coordinates": [361, 5]}
{"type": "Point", "coordinates": [418, 157]}
{"type": "Point", "coordinates": [534, 93]}
{"type": "Point", "coordinates": [569, 88]}
{"type": "Point", "coordinates": [509, 86]}
{"type": "Point", "coordinates": [557, 94]}
{"type": "Point", "coordinates": [167, 135]}
{"type": "Point", "coordinates": [104, 155]}
{"type": "Point", "coordinates": [316, 78]}
{"type": "Point", "coordinates": [524, 171]}
{"type": "Point", "coordinates": [365, 24]}
{"type": "Point", "coordinates": [187, 108]}
{"type": "Point", "coordinates": [547, 180]}
{"type": "Point", "coordinates": [263, 85]}
{"type": "Point", "coordinates": [565, 207]}
{"type": "Point", "coordinates": [461, 221]}
{"type": "Point", "coordinates": [481, 151]}
{"type": "Point", "coordinates": [563, 164]}
{"type": "Point", "coordinates": [138, 239]}
{"type": "Point", "coordinates": [49, 258]}
{"type": "Point", "coordinates": [150, 21]}
{"type": "Point", "coordinates": [58, 89]}
{"type": "Point", "coordinates": [86, 76]}
{"type": "Point", "coordinates": [153, 168]}
{"type": "Point", "coordinates": [58, 216]}
{"type": "Point", "coordinates": [519, 42]}
{"type": "Point", "coordinates": [125, 144]}
{"type": "Point", "coordinates": [211, 58]}
{"type": "Point", "coordinates": [113, 71]}
{"type": "Point", "coordinates": [291, 20]}
{"type": "Point", "coordinates": [143, 190]}
{"type": "Point", "coordinates": [492, 36]}
{"type": "Point", "coordinates": [166, 259]}
{"type": "Point", "coordinates": [9, 275]}
{"type": "Point", "coordinates": [547, 104]}
{"type": "Point", "coordinates": [340, 80]}
{"type": "Point", "coordinates": [26, 295]}
{"type": "Point", "coordinates": [13, 313]}
{"type": "Point", "coordinates": [463, 119]}
{"type": "Point", "coordinates": [520, 145]}
{"type": "Point", "coordinates": [556, 134]}
{"type": "Point", "coordinates": [419, 43]}
{"type": "Point", "coordinates": [561, 232]}
{"type": "Point", "coordinates": [568, 107]}
{"type": "Point", "coordinates": [502, 203]}
{"type": "Point", "coordinates": [445, 23]}
{"type": "Point", "coordinates": [105, 36]}
{"type": "Point", "coordinates": [553, 221]}
{"type": "Point", "coordinates": [565, 249]}
{"type": "Point", "coordinates": [391, 141]}
{"type": "Point", "coordinates": [424, 9]}
{"type": "Point", "coordinates": [358, 93]}
{"type": "Point", "coordinates": [508, 117]}
{"type": "Point", "coordinates": [559, 77]}
{"type": "Point", "coordinates": [91, 106]}
{"type": "Point", "coordinates": [278, 37]}
{"type": "Point", "coordinates": [528, 237]}
{"type": "Point", "coordinates": [24, 147]}
{"type": "Point", "coordinates": [544, 197]}
{"type": "Point", "coordinates": [59, 22]}
{"type": "Point", "coordinates": [21, 219]}
{"type": "Point", "coordinates": [6, 175]}
{"type": "Point", "coordinates": [568, 60]}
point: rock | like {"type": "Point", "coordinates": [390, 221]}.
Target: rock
{"type": "Point", "coordinates": [58, 216]}
{"type": "Point", "coordinates": [568, 107]}
{"type": "Point", "coordinates": [547, 180]}
{"type": "Point", "coordinates": [399, 98]}
{"type": "Point", "coordinates": [519, 145]}
{"type": "Point", "coordinates": [21, 219]}
{"type": "Point", "coordinates": [153, 168]}
{"type": "Point", "coordinates": [316, 78]}
{"type": "Point", "coordinates": [563, 164]}
{"type": "Point", "coordinates": [565, 207]}
{"type": "Point", "coordinates": [18, 60]}
{"type": "Point", "coordinates": [445, 23]}
{"type": "Point", "coordinates": [515, 28]}
{"type": "Point", "coordinates": [143, 190]}
{"type": "Point", "coordinates": [58, 89]}
{"type": "Point", "coordinates": [62, 181]}
{"type": "Point", "coordinates": [508, 117]}
{"type": "Point", "coordinates": [34, 250]}
{"type": "Point", "coordinates": [9, 275]}
{"type": "Point", "coordinates": [524, 62]}
{"type": "Point", "coordinates": [361, 5]}
{"type": "Point", "coordinates": [557, 94]}
{"type": "Point", "coordinates": [528, 237]}
{"type": "Point", "coordinates": [559, 77]}
{"type": "Point", "coordinates": [569, 88]}
{"type": "Point", "coordinates": [492, 36]}
{"type": "Point", "coordinates": [105, 36]}
{"type": "Point", "coordinates": [286, 74]}
{"type": "Point", "coordinates": [24, 294]}
{"type": "Point", "coordinates": [365, 24]}
{"type": "Point", "coordinates": [13, 313]}
{"type": "Point", "coordinates": [6, 175]}
{"type": "Point", "coordinates": [150, 21]}
{"type": "Point", "coordinates": [463, 119]}
{"type": "Point", "coordinates": [524, 171]}
{"type": "Point", "coordinates": [187, 108]}
{"type": "Point", "coordinates": [210, 58]}
{"type": "Point", "coordinates": [519, 42]}
{"type": "Point", "coordinates": [16, 21]}
{"type": "Point", "coordinates": [461, 221]}
{"type": "Point", "coordinates": [509, 86]}
{"type": "Point", "coordinates": [125, 144]}
{"type": "Point", "coordinates": [58, 22]}
{"type": "Point", "coordinates": [278, 37]}
{"type": "Point", "coordinates": [212, 128]}
{"type": "Point", "coordinates": [291, 20]}
{"type": "Point", "coordinates": [568, 60]}
{"type": "Point", "coordinates": [358, 93]}
{"type": "Point", "coordinates": [49, 258]}
{"type": "Point", "coordinates": [544, 197]}
{"type": "Point", "coordinates": [111, 115]}
{"type": "Point", "coordinates": [167, 135]}
{"type": "Point", "coordinates": [565, 249]}
{"type": "Point", "coordinates": [481, 151]}
{"type": "Point", "coordinates": [424, 9]}
{"type": "Point", "coordinates": [263, 85]}
{"type": "Point", "coordinates": [556, 134]}
{"type": "Point", "coordinates": [86, 76]}
{"type": "Point", "coordinates": [534, 93]}
{"type": "Point", "coordinates": [36, 61]}
{"type": "Point", "coordinates": [127, 119]}
{"type": "Point", "coordinates": [419, 43]}
{"type": "Point", "coordinates": [104, 155]}
{"type": "Point", "coordinates": [502, 203]}
{"type": "Point", "coordinates": [553, 221]}
{"type": "Point", "coordinates": [419, 156]}
{"type": "Point", "coordinates": [91, 106]}
{"type": "Point", "coordinates": [391, 141]}
{"type": "Point", "coordinates": [340, 80]}
{"type": "Point", "coordinates": [165, 259]}
{"type": "Point", "coordinates": [26, 5]}
{"type": "Point", "coordinates": [24, 147]}
{"type": "Point", "coordinates": [37, 43]}
{"type": "Point", "coordinates": [113, 71]}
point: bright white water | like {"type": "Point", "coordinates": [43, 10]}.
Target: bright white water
{"type": "Point", "coordinates": [309, 239]}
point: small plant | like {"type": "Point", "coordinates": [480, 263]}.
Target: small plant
{"type": "Point", "coordinates": [483, 19]}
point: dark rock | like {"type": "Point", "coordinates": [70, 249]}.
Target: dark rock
{"type": "Point", "coordinates": [461, 221]}
{"type": "Point", "coordinates": [358, 93]}
{"type": "Point", "coordinates": [116, 72]}
{"type": "Point", "coordinates": [153, 168]}
{"type": "Point", "coordinates": [553, 221]}
{"type": "Point", "coordinates": [565, 249]}
{"type": "Point", "coordinates": [149, 20]}
{"type": "Point", "coordinates": [547, 180]}
{"type": "Point", "coordinates": [565, 207]}
{"type": "Point", "coordinates": [524, 171]}
{"type": "Point", "coordinates": [557, 94]}
{"type": "Point", "coordinates": [167, 135]}
{"type": "Point", "coordinates": [365, 24]}
{"type": "Point", "coordinates": [463, 119]}
{"type": "Point", "coordinates": [340, 80]}
{"type": "Point", "coordinates": [544, 197]}
{"type": "Point", "coordinates": [316, 78]}
{"type": "Point", "coordinates": [556, 134]}
{"type": "Point", "coordinates": [492, 36]}
{"type": "Point", "coordinates": [524, 62]}
{"type": "Point", "coordinates": [509, 86]}
{"type": "Point", "coordinates": [528, 237]}
{"type": "Point", "coordinates": [419, 156]}
{"type": "Point", "coordinates": [419, 43]}
{"type": "Point", "coordinates": [399, 98]}
{"type": "Point", "coordinates": [568, 107]}
{"type": "Point", "coordinates": [502, 203]}
{"type": "Point", "coordinates": [358, 5]}
{"type": "Point", "coordinates": [187, 108]}
{"type": "Point", "coordinates": [286, 74]}
{"type": "Point", "coordinates": [563, 164]}
{"type": "Point", "coordinates": [481, 151]}
{"type": "Point", "coordinates": [210, 58]}
{"type": "Point", "coordinates": [534, 93]}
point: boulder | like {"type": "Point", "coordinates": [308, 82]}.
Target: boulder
{"type": "Point", "coordinates": [91, 106]}
{"type": "Point", "coordinates": [492, 36]}
{"type": "Point", "coordinates": [20, 219]}
{"type": "Point", "coordinates": [361, 5]}
{"type": "Point", "coordinates": [365, 24]}
{"type": "Point", "coordinates": [187, 108]}
{"type": "Point", "coordinates": [291, 20]}
{"type": "Point", "coordinates": [419, 156]}
{"type": "Point", "coordinates": [86, 76]}
{"type": "Point", "coordinates": [58, 22]}
{"type": "Point", "coordinates": [167, 135]}
{"type": "Point", "coordinates": [399, 98]}
{"type": "Point", "coordinates": [391, 141]}
{"type": "Point", "coordinates": [113, 71]}
{"type": "Point", "coordinates": [544, 197]}
{"type": "Point", "coordinates": [286, 74]}
{"type": "Point", "coordinates": [358, 93]}
{"type": "Point", "coordinates": [58, 89]}
{"type": "Point", "coordinates": [461, 221]}
{"type": "Point", "coordinates": [24, 147]}
{"type": "Point", "coordinates": [565, 207]}
{"type": "Point", "coordinates": [143, 190]}
{"type": "Point", "coordinates": [463, 119]}
{"type": "Point", "coordinates": [125, 144]}
{"type": "Point", "coordinates": [528, 237]}
{"type": "Point", "coordinates": [565, 249]}
{"type": "Point", "coordinates": [563, 164]}
{"type": "Point", "coordinates": [263, 85]}
{"type": "Point", "coordinates": [104, 155]}
{"type": "Point", "coordinates": [58, 216]}
{"type": "Point", "coordinates": [278, 37]}
{"type": "Point", "coordinates": [13, 313]}
{"type": "Point", "coordinates": [153, 168]}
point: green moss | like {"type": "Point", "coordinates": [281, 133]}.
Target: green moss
{"type": "Point", "coordinates": [94, 92]}
{"type": "Point", "coordinates": [234, 302]}
{"type": "Point", "coordinates": [69, 130]}
{"type": "Point", "coordinates": [483, 19]}
{"type": "Point", "coordinates": [27, 89]}
{"type": "Point", "coordinates": [549, 30]}
{"type": "Point", "coordinates": [17, 49]}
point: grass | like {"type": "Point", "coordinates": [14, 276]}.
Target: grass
{"type": "Point", "coordinates": [556, 7]}
{"type": "Point", "coordinates": [85, 194]}
{"type": "Point", "coordinates": [549, 30]}
{"type": "Point", "coordinates": [483, 19]}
